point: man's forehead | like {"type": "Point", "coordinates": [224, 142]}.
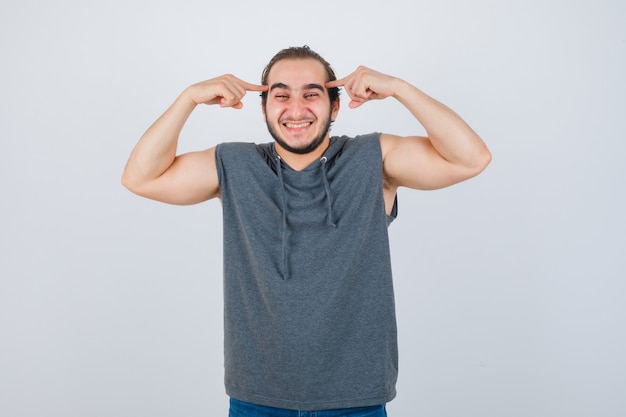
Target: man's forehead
{"type": "Point", "coordinates": [297, 72]}
{"type": "Point", "coordinates": [309, 86]}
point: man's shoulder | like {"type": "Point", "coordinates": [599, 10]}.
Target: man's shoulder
{"type": "Point", "coordinates": [243, 149]}
{"type": "Point", "coordinates": [241, 145]}
{"type": "Point", "coordinates": [359, 143]}
{"type": "Point", "coordinates": [373, 136]}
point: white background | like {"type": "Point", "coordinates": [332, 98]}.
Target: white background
{"type": "Point", "coordinates": [510, 287]}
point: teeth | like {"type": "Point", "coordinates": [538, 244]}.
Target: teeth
{"type": "Point", "coordinates": [297, 125]}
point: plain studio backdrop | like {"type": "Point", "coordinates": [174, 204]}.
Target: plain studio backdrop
{"type": "Point", "coordinates": [510, 286]}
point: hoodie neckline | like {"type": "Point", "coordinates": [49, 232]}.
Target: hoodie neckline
{"type": "Point", "coordinates": [329, 154]}
{"type": "Point", "coordinates": [320, 164]}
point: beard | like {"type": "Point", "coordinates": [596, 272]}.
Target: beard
{"type": "Point", "coordinates": [306, 148]}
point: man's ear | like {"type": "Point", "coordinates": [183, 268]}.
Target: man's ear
{"type": "Point", "coordinates": [263, 111]}
{"type": "Point", "coordinates": [333, 115]}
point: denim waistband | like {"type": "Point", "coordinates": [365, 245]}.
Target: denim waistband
{"type": "Point", "coordinates": [244, 409]}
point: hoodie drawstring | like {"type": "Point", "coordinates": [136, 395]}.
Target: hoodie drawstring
{"type": "Point", "coordinates": [281, 184]}
{"type": "Point", "coordinates": [329, 201]}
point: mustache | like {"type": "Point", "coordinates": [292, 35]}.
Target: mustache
{"type": "Point", "coordinates": [298, 120]}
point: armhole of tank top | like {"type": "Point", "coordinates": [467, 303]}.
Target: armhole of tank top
{"type": "Point", "coordinates": [394, 210]}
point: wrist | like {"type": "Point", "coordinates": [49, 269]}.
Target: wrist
{"type": "Point", "coordinates": [400, 89]}
{"type": "Point", "coordinates": [188, 97]}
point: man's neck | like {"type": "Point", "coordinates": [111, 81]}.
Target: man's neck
{"type": "Point", "coordinates": [300, 161]}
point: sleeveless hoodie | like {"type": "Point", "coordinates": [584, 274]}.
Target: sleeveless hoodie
{"type": "Point", "coordinates": [309, 315]}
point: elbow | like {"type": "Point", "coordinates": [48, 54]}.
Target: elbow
{"type": "Point", "coordinates": [484, 159]}
{"type": "Point", "coordinates": [129, 182]}
{"type": "Point", "coordinates": [480, 161]}
{"type": "Point", "coordinates": [125, 182]}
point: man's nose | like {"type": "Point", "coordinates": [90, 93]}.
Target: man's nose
{"type": "Point", "coordinates": [297, 108]}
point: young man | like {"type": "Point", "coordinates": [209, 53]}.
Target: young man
{"type": "Point", "coordinates": [309, 304]}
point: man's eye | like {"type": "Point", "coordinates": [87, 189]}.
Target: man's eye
{"type": "Point", "coordinates": [311, 95]}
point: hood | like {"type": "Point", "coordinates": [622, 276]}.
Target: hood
{"type": "Point", "coordinates": [321, 166]}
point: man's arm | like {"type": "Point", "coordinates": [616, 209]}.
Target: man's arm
{"type": "Point", "coordinates": [155, 171]}
{"type": "Point", "coordinates": [451, 153]}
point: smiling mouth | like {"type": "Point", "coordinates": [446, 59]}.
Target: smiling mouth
{"type": "Point", "coordinates": [300, 125]}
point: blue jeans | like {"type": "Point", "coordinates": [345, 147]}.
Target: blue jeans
{"type": "Point", "coordinates": [243, 409]}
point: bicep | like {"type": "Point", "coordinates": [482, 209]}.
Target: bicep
{"type": "Point", "coordinates": [413, 162]}
{"type": "Point", "coordinates": [192, 178]}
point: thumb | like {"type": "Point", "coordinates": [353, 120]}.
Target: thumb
{"type": "Point", "coordinates": [228, 103]}
{"type": "Point", "coordinates": [355, 103]}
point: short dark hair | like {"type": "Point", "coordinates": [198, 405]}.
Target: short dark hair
{"type": "Point", "coordinates": [301, 52]}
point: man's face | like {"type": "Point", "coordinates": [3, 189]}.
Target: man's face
{"type": "Point", "coordinates": [298, 111]}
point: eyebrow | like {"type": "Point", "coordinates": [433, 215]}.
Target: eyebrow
{"type": "Point", "coordinates": [312, 86]}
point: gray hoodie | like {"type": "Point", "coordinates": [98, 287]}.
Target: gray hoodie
{"type": "Point", "coordinates": [308, 295]}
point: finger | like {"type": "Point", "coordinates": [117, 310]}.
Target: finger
{"type": "Point", "coordinates": [231, 102]}
{"type": "Point", "coordinates": [347, 83]}
{"type": "Point", "coordinates": [231, 95]}
{"type": "Point", "coordinates": [242, 86]}
{"type": "Point", "coordinates": [336, 83]}
{"type": "Point", "coordinates": [359, 94]}
{"type": "Point", "coordinates": [237, 105]}
{"type": "Point", "coordinates": [348, 86]}
{"type": "Point", "coordinates": [364, 94]}
{"type": "Point", "coordinates": [237, 90]}
{"type": "Point", "coordinates": [360, 87]}
{"type": "Point", "coordinates": [356, 103]}
{"type": "Point", "coordinates": [254, 87]}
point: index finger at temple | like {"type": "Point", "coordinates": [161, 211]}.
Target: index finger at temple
{"type": "Point", "coordinates": [254, 87]}
{"type": "Point", "coordinates": [336, 83]}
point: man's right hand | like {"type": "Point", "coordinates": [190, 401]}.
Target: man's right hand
{"type": "Point", "coordinates": [226, 90]}
{"type": "Point", "coordinates": [155, 171]}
